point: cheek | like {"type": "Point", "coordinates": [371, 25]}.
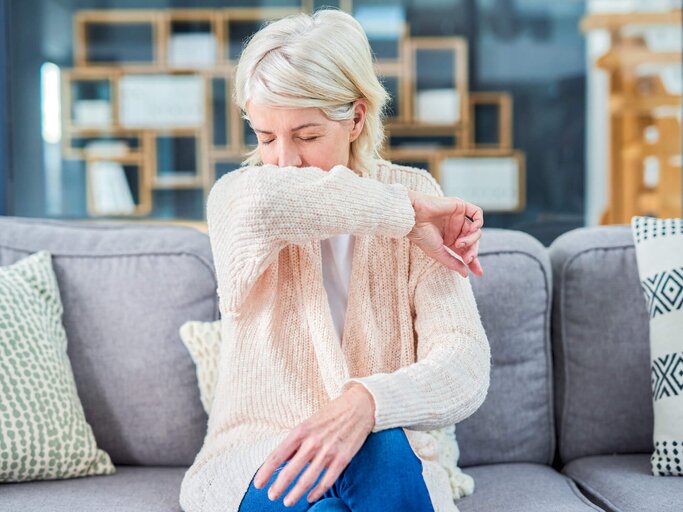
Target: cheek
{"type": "Point", "coordinates": [325, 155]}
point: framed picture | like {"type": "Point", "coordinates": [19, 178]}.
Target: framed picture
{"type": "Point", "coordinates": [161, 100]}
{"type": "Point", "coordinates": [493, 180]}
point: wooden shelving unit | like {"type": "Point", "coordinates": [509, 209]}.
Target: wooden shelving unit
{"type": "Point", "coordinates": [119, 51]}
{"type": "Point", "coordinates": [644, 109]}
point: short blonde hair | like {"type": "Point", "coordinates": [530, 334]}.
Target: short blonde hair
{"type": "Point", "coordinates": [321, 60]}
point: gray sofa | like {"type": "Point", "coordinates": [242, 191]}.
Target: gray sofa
{"type": "Point", "coordinates": [567, 424]}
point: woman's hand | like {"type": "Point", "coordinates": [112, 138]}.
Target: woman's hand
{"type": "Point", "coordinates": [442, 222]}
{"type": "Point", "coordinates": [330, 438]}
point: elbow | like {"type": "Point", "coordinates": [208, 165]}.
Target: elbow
{"type": "Point", "coordinates": [477, 384]}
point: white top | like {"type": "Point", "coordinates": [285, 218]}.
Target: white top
{"type": "Point", "coordinates": [337, 253]}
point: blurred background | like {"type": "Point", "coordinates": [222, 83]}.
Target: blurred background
{"type": "Point", "coordinates": [550, 115]}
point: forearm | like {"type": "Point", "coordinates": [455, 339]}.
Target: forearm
{"type": "Point", "coordinates": [256, 212]}
{"type": "Point", "coordinates": [451, 375]}
{"type": "Point", "coordinates": [299, 204]}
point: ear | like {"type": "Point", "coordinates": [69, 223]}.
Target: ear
{"type": "Point", "coordinates": [360, 109]}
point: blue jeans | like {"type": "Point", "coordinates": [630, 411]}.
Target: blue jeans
{"type": "Point", "coordinates": [385, 474]}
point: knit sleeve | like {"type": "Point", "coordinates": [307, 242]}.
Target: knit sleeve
{"type": "Point", "coordinates": [254, 212]}
{"type": "Point", "coordinates": [450, 378]}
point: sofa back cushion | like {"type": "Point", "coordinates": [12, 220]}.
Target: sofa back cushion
{"type": "Point", "coordinates": [126, 290]}
{"type": "Point", "coordinates": [600, 344]}
{"type": "Point", "coordinates": [515, 422]}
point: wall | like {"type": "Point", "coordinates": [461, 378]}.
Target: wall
{"type": "Point", "coordinates": [5, 181]}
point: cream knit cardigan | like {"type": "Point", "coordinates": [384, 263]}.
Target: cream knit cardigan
{"type": "Point", "coordinates": [412, 333]}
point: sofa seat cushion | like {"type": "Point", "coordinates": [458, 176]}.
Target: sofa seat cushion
{"type": "Point", "coordinates": [625, 483]}
{"type": "Point", "coordinates": [130, 489]}
{"type": "Point", "coordinates": [522, 487]}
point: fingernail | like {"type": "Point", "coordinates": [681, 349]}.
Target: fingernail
{"type": "Point", "coordinates": [288, 502]}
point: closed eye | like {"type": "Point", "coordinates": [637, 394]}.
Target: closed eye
{"type": "Point", "coordinates": [306, 139]}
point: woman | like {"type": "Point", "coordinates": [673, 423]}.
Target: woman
{"type": "Point", "coordinates": [300, 408]}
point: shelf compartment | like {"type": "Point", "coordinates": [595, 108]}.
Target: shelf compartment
{"type": "Point", "coordinates": [191, 38]}
{"type": "Point", "coordinates": [438, 92]}
{"type": "Point", "coordinates": [112, 37]}
{"type": "Point", "coordinates": [239, 24]}
{"type": "Point", "coordinates": [490, 120]}
{"type": "Point", "coordinates": [116, 187]}
{"type": "Point", "coordinates": [177, 161]}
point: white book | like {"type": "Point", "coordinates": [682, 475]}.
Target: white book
{"type": "Point", "coordinates": [110, 190]}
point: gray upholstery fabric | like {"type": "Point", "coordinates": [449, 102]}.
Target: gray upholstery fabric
{"type": "Point", "coordinates": [600, 344]}
{"type": "Point", "coordinates": [126, 291]}
{"type": "Point", "coordinates": [625, 483]}
{"type": "Point", "coordinates": [515, 422]}
{"type": "Point", "coordinates": [524, 488]}
{"type": "Point", "coordinates": [130, 489]}
{"type": "Point", "coordinates": [510, 487]}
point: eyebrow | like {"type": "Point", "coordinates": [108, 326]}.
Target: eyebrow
{"type": "Point", "coordinates": [293, 129]}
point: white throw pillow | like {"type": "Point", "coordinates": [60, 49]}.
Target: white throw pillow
{"type": "Point", "coordinates": [203, 341]}
{"type": "Point", "coordinates": [659, 253]}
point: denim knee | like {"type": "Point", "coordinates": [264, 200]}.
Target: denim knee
{"type": "Point", "coordinates": [385, 474]}
{"type": "Point", "coordinates": [390, 449]}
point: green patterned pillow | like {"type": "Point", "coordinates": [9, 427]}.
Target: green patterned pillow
{"type": "Point", "coordinates": [659, 255]}
{"type": "Point", "coordinates": [43, 431]}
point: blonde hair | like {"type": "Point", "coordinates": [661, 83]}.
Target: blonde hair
{"type": "Point", "coordinates": [321, 60]}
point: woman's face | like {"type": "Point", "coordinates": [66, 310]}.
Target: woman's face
{"type": "Point", "coordinates": [304, 137]}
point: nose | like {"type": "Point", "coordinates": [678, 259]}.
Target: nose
{"type": "Point", "coordinates": [288, 155]}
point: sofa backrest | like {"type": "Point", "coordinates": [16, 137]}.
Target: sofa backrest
{"type": "Point", "coordinates": [600, 344]}
{"type": "Point", "coordinates": [515, 423]}
{"type": "Point", "coordinates": [126, 290]}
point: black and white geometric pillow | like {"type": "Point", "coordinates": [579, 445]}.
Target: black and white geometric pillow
{"type": "Point", "coordinates": [659, 253]}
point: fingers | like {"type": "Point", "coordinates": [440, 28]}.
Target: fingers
{"type": "Point", "coordinates": [307, 480]}
{"type": "Point", "coordinates": [468, 240]}
{"type": "Point", "coordinates": [333, 471]}
{"type": "Point", "coordinates": [456, 222]}
{"type": "Point", "coordinates": [294, 467]}
{"type": "Point", "coordinates": [446, 259]}
{"type": "Point", "coordinates": [473, 261]}
{"type": "Point", "coordinates": [476, 267]}
{"type": "Point", "coordinates": [277, 457]}
{"type": "Point", "coordinates": [477, 214]}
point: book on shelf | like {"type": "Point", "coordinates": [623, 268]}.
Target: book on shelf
{"type": "Point", "coordinates": [111, 192]}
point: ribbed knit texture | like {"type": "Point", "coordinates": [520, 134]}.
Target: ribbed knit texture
{"type": "Point", "coordinates": [412, 335]}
